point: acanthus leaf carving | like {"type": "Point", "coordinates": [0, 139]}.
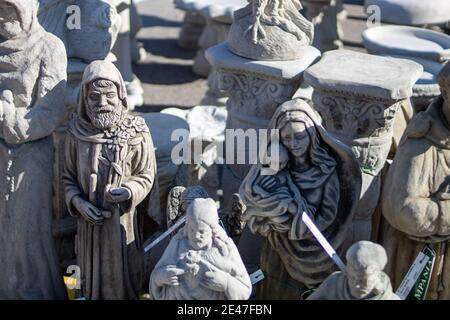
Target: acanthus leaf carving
{"type": "Point", "coordinates": [363, 123]}
{"type": "Point", "coordinates": [253, 94]}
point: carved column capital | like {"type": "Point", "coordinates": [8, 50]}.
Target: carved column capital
{"type": "Point", "coordinates": [365, 124]}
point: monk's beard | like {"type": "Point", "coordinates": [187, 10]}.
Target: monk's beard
{"type": "Point", "coordinates": [105, 118]}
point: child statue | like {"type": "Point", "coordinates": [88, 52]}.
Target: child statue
{"type": "Point", "coordinates": [110, 168]}
{"type": "Point", "coordinates": [364, 280]}
{"type": "Point", "coordinates": [201, 261]}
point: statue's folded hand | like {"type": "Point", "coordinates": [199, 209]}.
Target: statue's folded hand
{"type": "Point", "coordinates": [117, 195]}
{"type": "Point", "coordinates": [215, 279]}
{"type": "Point", "coordinates": [88, 211]}
{"type": "Point", "coordinates": [169, 276]}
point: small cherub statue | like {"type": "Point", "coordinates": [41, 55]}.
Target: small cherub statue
{"type": "Point", "coordinates": [201, 261]}
{"type": "Point", "coordinates": [364, 280]}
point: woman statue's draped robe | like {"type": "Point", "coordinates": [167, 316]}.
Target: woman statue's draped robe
{"type": "Point", "coordinates": [335, 287]}
{"type": "Point", "coordinates": [110, 255]}
{"type": "Point", "coordinates": [327, 191]}
{"type": "Point", "coordinates": [33, 67]}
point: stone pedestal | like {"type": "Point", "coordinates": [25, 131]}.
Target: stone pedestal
{"type": "Point", "coordinates": [327, 27]}
{"type": "Point", "coordinates": [218, 15]}
{"type": "Point", "coordinates": [429, 48]}
{"type": "Point", "coordinates": [408, 42]}
{"type": "Point", "coordinates": [214, 96]}
{"type": "Point", "coordinates": [161, 127]}
{"type": "Point", "coordinates": [191, 30]}
{"type": "Point", "coordinates": [207, 130]}
{"type": "Point", "coordinates": [426, 88]}
{"type": "Point", "coordinates": [138, 52]}
{"type": "Point", "coordinates": [122, 46]}
{"type": "Point", "coordinates": [214, 33]}
{"type": "Point", "coordinates": [412, 12]}
{"type": "Point", "coordinates": [122, 50]}
{"type": "Point", "coordinates": [358, 96]}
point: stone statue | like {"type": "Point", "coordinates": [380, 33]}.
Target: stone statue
{"type": "Point", "coordinates": [109, 169]}
{"type": "Point", "coordinates": [122, 50]}
{"type": "Point", "coordinates": [92, 40]}
{"type": "Point", "coordinates": [270, 30]}
{"type": "Point", "coordinates": [362, 99]}
{"type": "Point", "coordinates": [416, 194]}
{"type": "Point", "coordinates": [32, 81]}
{"type": "Point", "coordinates": [88, 30]}
{"type": "Point", "coordinates": [364, 280]}
{"type": "Point", "coordinates": [317, 175]}
{"type": "Point", "coordinates": [234, 222]}
{"type": "Point", "coordinates": [97, 33]}
{"type": "Point", "coordinates": [179, 200]}
{"type": "Point", "coordinates": [201, 261]}
{"type": "Point", "coordinates": [326, 16]}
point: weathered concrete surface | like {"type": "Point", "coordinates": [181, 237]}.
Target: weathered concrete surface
{"type": "Point", "coordinates": [167, 74]}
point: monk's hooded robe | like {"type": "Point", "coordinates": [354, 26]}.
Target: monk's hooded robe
{"type": "Point", "coordinates": [335, 287]}
{"type": "Point", "coordinates": [328, 191]}
{"type": "Point", "coordinates": [416, 215]}
{"type": "Point", "coordinates": [33, 67]}
{"type": "Point", "coordinates": [111, 255]}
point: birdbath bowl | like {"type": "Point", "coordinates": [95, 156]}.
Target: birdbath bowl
{"type": "Point", "coordinates": [408, 42]}
{"type": "Point", "coordinates": [412, 12]}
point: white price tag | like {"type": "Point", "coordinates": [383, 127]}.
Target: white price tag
{"type": "Point", "coordinates": [178, 224]}
{"type": "Point", "coordinates": [256, 277]}
{"type": "Point", "coordinates": [412, 276]}
{"type": "Point", "coordinates": [323, 242]}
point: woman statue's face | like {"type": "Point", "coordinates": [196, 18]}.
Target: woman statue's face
{"type": "Point", "coordinates": [295, 138]}
{"type": "Point", "coordinates": [199, 235]}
